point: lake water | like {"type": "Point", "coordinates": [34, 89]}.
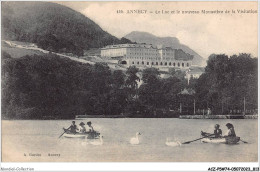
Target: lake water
{"type": "Point", "coordinates": [24, 137]}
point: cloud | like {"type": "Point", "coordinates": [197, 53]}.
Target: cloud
{"type": "Point", "coordinates": [206, 34]}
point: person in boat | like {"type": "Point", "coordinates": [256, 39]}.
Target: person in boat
{"type": "Point", "coordinates": [90, 128]}
{"type": "Point", "coordinates": [217, 132]}
{"type": "Point", "coordinates": [82, 128]}
{"type": "Point", "coordinates": [231, 131]}
{"type": "Point", "coordinates": [73, 128]}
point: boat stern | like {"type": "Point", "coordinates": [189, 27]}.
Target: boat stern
{"type": "Point", "coordinates": [232, 140]}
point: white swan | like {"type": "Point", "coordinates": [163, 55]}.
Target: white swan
{"type": "Point", "coordinates": [97, 143]}
{"type": "Point", "coordinates": [172, 143]}
{"type": "Point", "coordinates": [135, 140]}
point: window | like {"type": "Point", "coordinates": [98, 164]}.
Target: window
{"type": "Point", "coordinates": [170, 64]}
{"type": "Point", "coordinates": [182, 64]}
{"type": "Point", "coordinates": [173, 64]}
{"type": "Point", "coordinates": [138, 63]}
{"type": "Point", "coordinates": [178, 64]}
{"type": "Point", "coordinates": [133, 62]}
{"type": "Point", "coordinates": [156, 63]}
{"type": "Point", "coordinates": [187, 64]}
{"type": "Point", "coordinates": [161, 63]}
{"type": "Point", "coordinates": [165, 64]}
{"type": "Point", "coordinates": [142, 63]}
{"type": "Point", "coordinates": [152, 63]}
{"type": "Point", "coordinates": [147, 63]}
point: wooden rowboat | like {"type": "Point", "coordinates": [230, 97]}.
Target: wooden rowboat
{"type": "Point", "coordinates": [225, 140]}
{"type": "Point", "coordinates": [88, 135]}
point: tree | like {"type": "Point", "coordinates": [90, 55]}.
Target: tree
{"type": "Point", "coordinates": [132, 77]}
{"type": "Point", "coordinates": [227, 81]}
{"type": "Point", "coordinates": [150, 75]}
{"type": "Point", "coordinates": [150, 92]}
{"type": "Point", "coordinates": [101, 77]}
{"type": "Point", "coordinates": [177, 73]}
{"type": "Point", "coordinates": [118, 79]}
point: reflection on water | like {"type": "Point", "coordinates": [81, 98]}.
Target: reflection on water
{"type": "Point", "coordinates": [35, 140]}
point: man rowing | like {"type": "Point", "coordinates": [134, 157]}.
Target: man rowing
{"type": "Point", "coordinates": [73, 128]}
{"type": "Point", "coordinates": [217, 132]}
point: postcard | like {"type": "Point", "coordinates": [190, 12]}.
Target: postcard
{"type": "Point", "coordinates": [129, 81]}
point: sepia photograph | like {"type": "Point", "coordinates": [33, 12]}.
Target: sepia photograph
{"type": "Point", "coordinates": [150, 81]}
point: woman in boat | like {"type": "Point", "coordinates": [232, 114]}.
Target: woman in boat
{"type": "Point", "coordinates": [82, 128]}
{"type": "Point", "coordinates": [231, 131]}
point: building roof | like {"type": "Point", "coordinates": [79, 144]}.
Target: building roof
{"type": "Point", "coordinates": [136, 46]}
{"type": "Point", "coordinates": [129, 46]}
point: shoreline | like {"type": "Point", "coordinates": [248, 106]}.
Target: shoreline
{"type": "Point", "coordinates": [218, 117]}
{"type": "Point", "coordinates": [180, 117]}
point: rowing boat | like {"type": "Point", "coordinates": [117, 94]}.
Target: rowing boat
{"type": "Point", "coordinates": [88, 135]}
{"type": "Point", "coordinates": [225, 140]}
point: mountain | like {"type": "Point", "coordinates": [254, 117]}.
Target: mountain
{"type": "Point", "coordinates": [53, 27]}
{"type": "Point", "coordinates": [144, 37]}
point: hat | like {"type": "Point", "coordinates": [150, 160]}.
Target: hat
{"type": "Point", "coordinates": [217, 125]}
{"type": "Point", "coordinates": [89, 122]}
{"type": "Point", "coordinates": [229, 125]}
{"type": "Point", "coordinates": [73, 121]}
{"type": "Point", "coordinates": [82, 123]}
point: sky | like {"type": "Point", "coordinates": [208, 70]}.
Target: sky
{"type": "Point", "coordinates": [228, 33]}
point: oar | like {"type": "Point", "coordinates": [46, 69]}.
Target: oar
{"type": "Point", "coordinates": [63, 132]}
{"type": "Point", "coordinates": [243, 141]}
{"type": "Point", "coordinates": [197, 139]}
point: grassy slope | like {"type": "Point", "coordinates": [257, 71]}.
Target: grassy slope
{"type": "Point", "coordinates": [19, 52]}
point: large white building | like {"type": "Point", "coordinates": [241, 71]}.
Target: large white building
{"type": "Point", "coordinates": [147, 55]}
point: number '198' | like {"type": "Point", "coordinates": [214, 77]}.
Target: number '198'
{"type": "Point", "coordinates": [119, 11]}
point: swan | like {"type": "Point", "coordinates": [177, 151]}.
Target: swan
{"type": "Point", "coordinates": [97, 143]}
{"type": "Point", "coordinates": [172, 143]}
{"type": "Point", "coordinates": [135, 140]}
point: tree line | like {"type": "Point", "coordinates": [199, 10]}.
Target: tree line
{"type": "Point", "coordinates": [228, 84]}
{"type": "Point", "coordinates": [36, 87]}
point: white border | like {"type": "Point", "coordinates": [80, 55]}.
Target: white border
{"type": "Point", "coordinates": [125, 166]}
{"type": "Point", "coordinates": [172, 166]}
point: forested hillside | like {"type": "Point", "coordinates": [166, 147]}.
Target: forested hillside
{"type": "Point", "coordinates": [53, 27]}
